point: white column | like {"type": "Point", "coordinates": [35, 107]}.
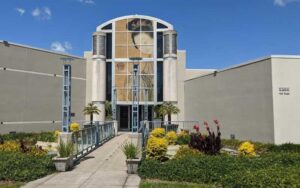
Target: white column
{"type": "Point", "coordinates": [170, 66]}
{"type": "Point", "coordinates": [99, 74]}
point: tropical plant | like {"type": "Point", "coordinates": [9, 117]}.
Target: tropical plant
{"type": "Point", "coordinates": [108, 110]}
{"type": "Point", "coordinates": [90, 110]}
{"type": "Point", "coordinates": [130, 150]}
{"type": "Point", "coordinates": [65, 149]}
{"type": "Point", "coordinates": [158, 114]}
{"type": "Point", "coordinates": [167, 108]}
{"type": "Point", "coordinates": [208, 144]}
{"type": "Point", "coordinates": [183, 137]}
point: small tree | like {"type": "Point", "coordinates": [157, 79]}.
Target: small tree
{"type": "Point", "coordinates": [90, 110]}
{"type": "Point", "coordinates": [167, 108]}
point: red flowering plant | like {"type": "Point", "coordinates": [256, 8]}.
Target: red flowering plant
{"type": "Point", "coordinates": [208, 144]}
{"type": "Point", "coordinates": [197, 128]}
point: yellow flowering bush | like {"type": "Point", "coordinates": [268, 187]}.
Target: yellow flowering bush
{"type": "Point", "coordinates": [10, 146]}
{"type": "Point", "coordinates": [74, 127]}
{"type": "Point", "coordinates": [158, 132]}
{"type": "Point", "coordinates": [246, 148]}
{"type": "Point", "coordinates": [171, 137]}
{"type": "Point", "coordinates": [156, 147]}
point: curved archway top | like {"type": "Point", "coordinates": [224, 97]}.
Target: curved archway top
{"type": "Point", "coordinates": [170, 26]}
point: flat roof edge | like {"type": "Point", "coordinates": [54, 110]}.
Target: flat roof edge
{"type": "Point", "coordinates": [249, 63]}
{"type": "Point", "coordinates": [43, 50]}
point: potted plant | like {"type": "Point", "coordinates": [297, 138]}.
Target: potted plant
{"type": "Point", "coordinates": [64, 161]}
{"type": "Point", "coordinates": [131, 152]}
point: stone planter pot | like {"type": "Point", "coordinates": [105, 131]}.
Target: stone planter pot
{"type": "Point", "coordinates": [132, 165]}
{"type": "Point", "coordinates": [63, 164]}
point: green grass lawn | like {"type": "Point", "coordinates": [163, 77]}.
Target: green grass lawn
{"type": "Point", "coordinates": [168, 184]}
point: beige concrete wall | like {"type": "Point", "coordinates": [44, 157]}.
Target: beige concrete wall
{"type": "Point", "coordinates": [89, 70]}
{"type": "Point", "coordinates": [285, 73]}
{"type": "Point", "coordinates": [240, 98]}
{"type": "Point", "coordinates": [194, 73]}
{"type": "Point", "coordinates": [31, 89]}
{"type": "Point", "coordinates": [181, 58]}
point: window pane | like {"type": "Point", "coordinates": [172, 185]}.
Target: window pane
{"type": "Point", "coordinates": [161, 26]}
{"type": "Point", "coordinates": [146, 81]}
{"type": "Point", "coordinates": [108, 46]}
{"type": "Point", "coordinates": [134, 38]}
{"type": "Point", "coordinates": [134, 24]}
{"type": "Point", "coordinates": [107, 27]}
{"type": "Point", "coordinates": [121, 38]}
{"type": "Point", "coordinates": [159, 45]}
{"type": "Point", "coordinates": [146, 68]}
{"type": "Point", "coordinates": [146, 25]}
{"type": "Point", "coordinates": [146, 38]}
{"type": "Point", "coordinates": [133, 51]}
{"type": "Point", "coordinates": [160, 81]}
{"type": "Point", "coordinates": [121, 81]}
{"type": "Point", "coordinates": [108, 81]}
{"type": "Point", "coordinates": [121, 25]}
{"type": "Point", "coordinates": [121, 94]}
{"type": "Point", "coordinates": [121, 52]}
{"type": "Point", "coordinates": [121, 68]}
{"type": "Point", "coordinates": [146, 51]}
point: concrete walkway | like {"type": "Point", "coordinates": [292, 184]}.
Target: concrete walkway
{"type": "Point", "coordinates": [105, 167]}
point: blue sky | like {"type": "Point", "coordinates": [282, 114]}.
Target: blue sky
{"type": "Point", "coordinates": [215, 33]}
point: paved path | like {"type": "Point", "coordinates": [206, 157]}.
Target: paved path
{"type": "Point", "coordinates": [104, 168]}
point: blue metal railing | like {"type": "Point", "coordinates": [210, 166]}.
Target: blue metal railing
{"type": "Point", "coordinates": [91, 137]}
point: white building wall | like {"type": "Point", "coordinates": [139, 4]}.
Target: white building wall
{"type": "Point", "coordinates": [286, 74]}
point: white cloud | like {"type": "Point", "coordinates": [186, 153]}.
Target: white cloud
{"type": "Point", "coordinates": [283, 3]}
{"type": "Point", "coordinates": [87, 1]}
{"type": "Point", "coordinates": [21, 11]}
{"type": "Point", "coordinates": [61, 47]}
{"type": "Point", "coordinates": [42, 13]}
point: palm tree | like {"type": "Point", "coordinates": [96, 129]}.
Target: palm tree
{"type": "Point", "coordinates": [167, 108]}
{"type": "Point", "coordinates": [90, 110]}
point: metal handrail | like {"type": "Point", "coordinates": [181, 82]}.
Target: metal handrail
{"type": "Point", "coordinates": [89, 138]}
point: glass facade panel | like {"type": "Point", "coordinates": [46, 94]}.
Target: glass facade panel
{"type": "Point", "coordinates": [108, 46]}
{"type": "Point", "coordinates": [146, 68]}
{"type": "Point", "coordinates": [121, 38]}
{"type": "Point", "coordinates": [108, 81]}
{"type": "Point", "coordinates": [134, 38]}
{"type": "Point", "coordinates": [122, 94]}
{"type": "Point", "coordinates": [133, 51]}
{"type": "Point", "coordinates": [121, 81]}
{"type": "Point", "coordinates": [146, 38]}
{"type": "Point", "coordinates": [146, 81]}
{"type": "Point", "coordinates": [120, 68]}
{"type": "Point", "coordinates": [146, 51]}
{"type": "Point", "coordinates": [160, 81]}
{"type": "Point", "coordinates": [159, 45]}
{"type": "Point", "coordinates": [146, 25]}
{"type": "Point", "coordinates": [121, 52]}
{"type": "Point", "coordinates": [134, 24]}
{"type": "Point", "coordinates": [121, 25]}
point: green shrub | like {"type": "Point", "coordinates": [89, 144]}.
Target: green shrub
{"type": "Point", "coordinates": [186, 151]}
{"type": "Point", "coordinates": [183, 139]}
{"type": "Point", "coordinates": [130, 150]}
{"type": "Point", "coordinates": [31, 138]}
{"type": "Point", "coordinates": [288, 147]}
{"type": "Point", "coordinates": [17, 166]}
{"type": "Point", "coordinates": [228, 171]}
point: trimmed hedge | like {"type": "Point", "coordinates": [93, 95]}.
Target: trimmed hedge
{"type": "Point", "coordinates": [31, 137]}
{"type": "Point", "coordinates": [17, 166]}
{"type": "Point", "coordinates": [270, 170]}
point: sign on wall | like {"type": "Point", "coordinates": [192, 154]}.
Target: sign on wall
{"type": "Point", "coordinates": [284, 91]}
